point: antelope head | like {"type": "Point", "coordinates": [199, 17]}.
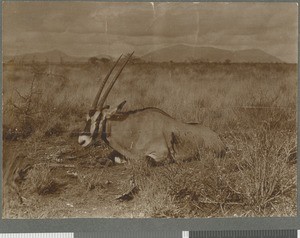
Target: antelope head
{"type": "Point", "coordinates": [99, 113]}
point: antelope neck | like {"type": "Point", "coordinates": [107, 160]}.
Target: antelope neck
{"type": "Point", "coordinates": [105, 130]}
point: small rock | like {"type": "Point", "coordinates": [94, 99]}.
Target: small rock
{"type": "Point", "coordinates": [118, 160]}
{"type": "Point", "coordinates": [72, 174]}
{"type": "Point", "coordinates": [58, 160]}
{"type": "Point", "coordinates": [107, 182]}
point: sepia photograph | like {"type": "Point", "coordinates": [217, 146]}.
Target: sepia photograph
{"type": "Point", "coordinates": [149, 109]}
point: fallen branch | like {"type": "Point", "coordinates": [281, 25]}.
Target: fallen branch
{"type": "Point", "coordinates": [57, 165]}
{"type": "Point", "coordinates": [62, 165]}
{"type": "Point", "coordinates": [219, 203]}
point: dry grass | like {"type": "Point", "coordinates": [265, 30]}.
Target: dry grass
{"type": "Point", "coordinates": [255, 179]}
{"type": "Point", "coordinates": [251, 106]}
{"type": "Point", "coordinates": [40, 180]}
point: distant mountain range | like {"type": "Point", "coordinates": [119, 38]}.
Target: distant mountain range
{"type": "Point", "coordinates": [177, 53]}
{"type": "Point", "coordinates": [54, 56]}
{"type": "Point", "coordinates": [182, 53]}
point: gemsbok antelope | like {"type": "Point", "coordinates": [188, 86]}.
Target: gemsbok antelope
{"type": "Point", "coordinates": [147, 133]}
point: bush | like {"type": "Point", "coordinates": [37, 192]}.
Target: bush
{"type": "Point", "coordinates": [40, 180]}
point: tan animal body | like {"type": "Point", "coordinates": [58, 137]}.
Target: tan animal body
{"type": "Point", "coordinates": [146, 133]}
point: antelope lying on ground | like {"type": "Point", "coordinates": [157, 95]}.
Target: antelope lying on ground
{"type": "Point", "coordinates": [147, 133]}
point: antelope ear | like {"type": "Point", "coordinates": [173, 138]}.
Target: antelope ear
{"type": "Point", "coordinates": [111, 112]}
{"type": "Point", "coordinates": [120, 106]}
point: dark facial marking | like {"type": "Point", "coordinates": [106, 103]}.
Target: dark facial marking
{"type": "Point", "coordinates": [88, 126]}
{"type": "Point", "coordinates": [81, 143]}
{"type": "Point", "coordinates": [97, 126]}
{"type": "Point", "coordinates": [92, 112]}
{"type": "Point", "coordinates": [85, 134]}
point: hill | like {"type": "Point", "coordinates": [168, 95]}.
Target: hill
{"type": "Point", "coordinates": [54, 56]}
{"type": "Point", "coordinates": [185, 53]}
{"type": "Point", "coordinates": [176, 53]}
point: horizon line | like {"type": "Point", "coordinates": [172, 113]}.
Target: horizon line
{"type": "Point", "coordinates": [142, 55]}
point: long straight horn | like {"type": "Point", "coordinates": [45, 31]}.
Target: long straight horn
{"type": "Point", "coordinates": [94, 105]}
{"type": "Point", "coordinates": [103, 98]}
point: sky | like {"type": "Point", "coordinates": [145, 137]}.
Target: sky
{"type": "Point", "coordinates": [96, 28]}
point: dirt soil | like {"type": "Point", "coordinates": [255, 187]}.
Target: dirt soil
{"type": "Point", "coordinates": [85, 184]}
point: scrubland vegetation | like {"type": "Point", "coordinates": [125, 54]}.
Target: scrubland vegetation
{"type": "Point", "coordinates": [251, 106]}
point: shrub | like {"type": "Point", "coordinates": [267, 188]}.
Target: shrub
{"type": "Point", "coordinates": [40, 180]}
